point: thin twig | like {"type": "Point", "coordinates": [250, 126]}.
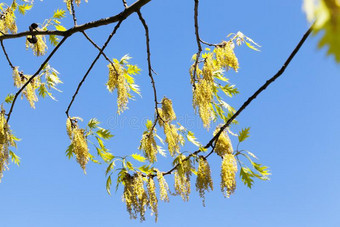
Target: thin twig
{"type": "Point", "coordinates": [34, 75]}
{"type": "Point", "coordinates": [146, 28]}
{"type": "Point", "coordinates": [9, 61]}
{"type": "Point", "coordinates": [125, 4]}
{"type": "Point", "coordinates": [105, 21]}
{"type": "Point", "coordinates": [198, 41]}
{"type": "Point", "coordinates": [73, 14]}
{"type": "Point", "coordinates": [96, 46]}
{"type": "Point", "coordinates": [249, 100]}
{"type": "Point", "coordinates": [91, 66]}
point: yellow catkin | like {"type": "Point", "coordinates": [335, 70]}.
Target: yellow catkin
{"type": "Point", "coordinates": [182, 178]}
{"type": "Point", "coordinates": [148, 146]}
{"type": "Point", "coordinates": [80, 147]}
{"type": "Point", "coordinates": [18, 80]}
{"type": "Point", "coordinates": [223, 145]}
{"type": "Point", "coordinates": [153, 201]}
{"type": "Point", "coordinates": [39, 48]}
{"type": "Point", "coordinates": [168, 114]}
{"type": "Point", "coordinates": [209, 68]}
{"type": "Point", "coordinates": [128, 196]}
{"type": "Point", "coordinates": [202, 99]}
{"type": "Point", "coordinates": [182, 186]}
{"type": "Point", "coordinates": [117, 81]}
{"type": "Point", "coordinates": [134, 196]}
{"type": "Point", "coordinates": [6, 140]}
{"type": "Point", "coordinates": [203, 180]}
{"type": "Point", "coordinates": [226, 57]}
{"type": "Point", "coordinates": [173, 139]}
{"type": "Point", "coordinates": [163, 187]}
{"type": "Point", "coordinates": [78, 2]}
{"type": "Point", "coordinates": [7, 22]}
{"type": "Point", "coordinates": [228, 173]}
{"type": "Point", "coordinates": [197, 75]}
{"type": "Point", "coordinates": [29, 91]}
{"type": "Point", "coordinates": [142, 198]}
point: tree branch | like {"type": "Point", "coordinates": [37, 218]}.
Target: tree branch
{"type": "Point", "coordinates": [91, 66]}
{"type": "Point", "coordinates": [249, 100]}
{"type": "Point", "coordinates": [198, 41]}
{"type": "Point", "coordinates": [146, 28]}
{"type": "Point", "coordinates": [105, 21]}
{"type": "Point", "coordinates": [34, 75]}
{"type": "Point", "coordinates": [9, 61]}
{"type": "Point", "coordinates": [73, 14]}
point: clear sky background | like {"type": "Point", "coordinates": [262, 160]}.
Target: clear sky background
{"type": "Point", "coordinates": [294, 123]}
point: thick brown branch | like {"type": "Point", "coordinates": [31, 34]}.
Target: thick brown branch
{"type": "Point", "coordinates": [34, 75]}
{"type": "Point", "coordinates": [105, 21]}
{"type": "Point", "coordinates": [91, 66]}
{"type": "Point", "coordinates": [249, 100]}
{"type": "Point", "coordinates": [9, 61]}
{"type": "Point", "coordinates": [146, 28]}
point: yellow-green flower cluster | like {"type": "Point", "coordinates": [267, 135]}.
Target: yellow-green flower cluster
{"type": "Point", "coordinates": [149, 146]}
{"type": "Point", "coordinates": [153, 201]}
{"type": "Point", "coordinates": [228, 174]}
{"type": "Point", "coordinates": [68, 4]}
{"type": "Point", "coordinates": [163, 187]}
{"type": "Point", "coordinates": [223, 145]}
{"type": "Point", "coordinates": [118, 81]}
{"type": "Point", "coordinates": [182, 178]}
{"type": "Point", "coordinates": [225, 56]}
{"type": "Point", "coordinates": [203, 180]}
{"type": "Point", "coordinates": [6, 140]}
{"type": "Point", "coordinates": [78, 142]}
{"type": "Point", "coordinates": [7, 21]}
{"type": "Point", "coordinates": [167, 115]}
{"type": "Point", "coordinates": [135, 196]}
{"type": "Point", "coordinates": [29, 92]}
{"type": "Point", "coordinates": [39, 48]}
{"type": "Point", "coordinates": [202, 99]}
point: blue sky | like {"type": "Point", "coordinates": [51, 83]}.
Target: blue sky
{"type": "Point", "coordinates": [294, 123]}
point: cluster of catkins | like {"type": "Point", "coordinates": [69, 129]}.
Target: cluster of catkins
{"type": "Point", "coordinates": [7, 21]}
{"type": "Point", "coordinates": [222, 57]}
{"type": "Point", "coordinates": [29, 92]}
{"type": "Point", "coordinates": [138, 198]}
{"type": "Point", "coordinates": [6, 140]}
{"type": "Point", "coordinates": [78, 142]}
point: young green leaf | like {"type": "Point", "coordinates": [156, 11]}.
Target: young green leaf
{"type": "Point", "coordinates": [243, 134]}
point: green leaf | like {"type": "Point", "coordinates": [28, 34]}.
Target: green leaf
{"type": "Point", "coordinates": [53, 40]}
{"type": "Point", "coordinates": [104, 133]}
{"type": "Point", "coordinates": [192, 139]}
{"type": "Point", "coordinates": [129, 166]}
{"type": "Point", "coordinates": [106, 156]}
{"type": "Point", "coordinates": [243, 134]}
{"type": "Point", "coordinates": [109, 168]}
{"type": "Point", "coordinates": [59, 14]}
{"type": "Point", "coordinates": [138, 157]}
{"type": "Point", "coordinates": [15, 158]}
{"type": "Point", "coordinates": [9, 98]}
{"type": "Point", "coordinates": [93, 123]}
{"type": "Point", "coordinates": [146, 169]}
{"type": "Point", "coordinates": [149, 124]}
{"type": "Point", "coordinates": [60, 28]}
{"type": "Point", "coordinates": [246, 176]}
{"type": "Point", "coordinates": [108, 185]}
{"type": "Point", "coordinates": [69, 151]}
{"type": "Point", "coordinates": [22, 8]}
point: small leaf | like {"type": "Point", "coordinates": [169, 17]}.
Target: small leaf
{"type": "Point", "coordinates": [9, 98]}
{"type": "Point", "coordinates": [104, 133]}
{"type": "Point", "coordinates": [246, 176]}
{"type": "Point", "coordinates": [243, 134]}
{"type": "Point", "coordinates": [108, 185]}
{"type": "Point", "coordinates": [138, 157]}
{"type": "Point", "coordinates": [93, 123]}
{"type": "Point", "coordinates": [60, 28]}
{"type": "Point", "coordinates": [14, 158]}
